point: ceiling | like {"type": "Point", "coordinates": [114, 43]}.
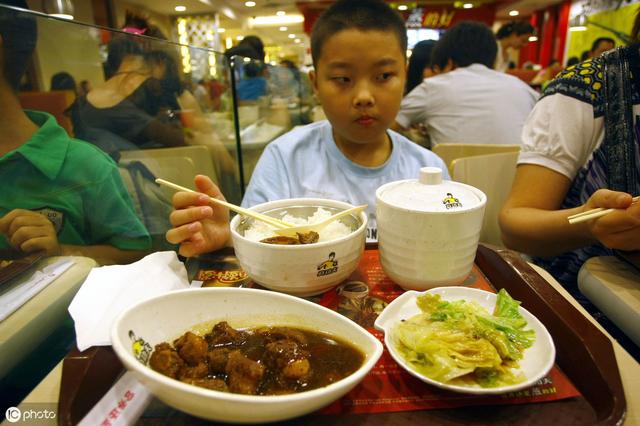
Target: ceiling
{"type": "Point", "coordinates": [234, 15]}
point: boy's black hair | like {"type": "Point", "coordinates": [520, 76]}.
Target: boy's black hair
{"type": "Point", "coordinates": [364, 15]}
{"type": "Point", "coordinates": [466, 43]}
{"type": "Point", "coordinates": [517, 27]}
{"type": "Point", "coordinates": [19, 33]}
{"type": "Point", "coordinates": [419, 60]}
{"type": "Point", "coordinates": [599, 40]}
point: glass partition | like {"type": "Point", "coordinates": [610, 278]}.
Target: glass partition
{"type": "Point", "coordinates": [271, 100]}
{"type": "Point", "coordinates": [159, 109]}
{"type": "Point", "coordinates": [107, 112]}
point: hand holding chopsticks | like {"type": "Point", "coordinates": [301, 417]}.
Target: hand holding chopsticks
{"type": "Point", "coordinates": [594, 213]}
{"type": "Point", "coordinates": [277, 223]}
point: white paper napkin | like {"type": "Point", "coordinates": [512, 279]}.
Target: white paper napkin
{"type": "Point", "coordinates": [110, 290]}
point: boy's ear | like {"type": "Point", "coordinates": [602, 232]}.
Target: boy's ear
{"type": "Point", "coordinates": [314, 82]}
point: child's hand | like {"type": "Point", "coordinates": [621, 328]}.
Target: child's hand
{"type": "Point", "coordinates": [199, 226]}
{"type": "Point", "coordinates": [30, 232]}
{"type": "Point", "coordinates": [619, 229]}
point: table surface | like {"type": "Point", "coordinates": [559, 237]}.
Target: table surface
{"type": "Point", "coordinates": [30, 324]}
{"type": "Point", "coordinates": [614, 287]}
{"type": "Point", "coordinates": [48, 390]}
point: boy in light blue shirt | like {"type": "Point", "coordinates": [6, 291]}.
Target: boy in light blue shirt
{"type": "Point", "coordinates": [307, 162]}
{"type": "Point", "coordinates": [358, 49]}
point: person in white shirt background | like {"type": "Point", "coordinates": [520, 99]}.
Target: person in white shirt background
{"type": "Point", "coordinates": [513, 35]}
{"type": "Point", "coordinates": [469, 102]}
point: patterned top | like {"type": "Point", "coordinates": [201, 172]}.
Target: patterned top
{"type": "Point", "coordinates": [585, 82]}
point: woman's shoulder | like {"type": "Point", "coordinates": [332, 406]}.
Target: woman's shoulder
{"type": "Point", "coordinates": [116, 91]}
{"type": "Point", "coordinates": [583, 82]}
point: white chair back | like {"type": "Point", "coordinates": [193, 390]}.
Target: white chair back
{"type": "Point", "coordinates": [450, 151]}
{"type": "Point", "coordinates": [178, 164]}
{"type": "Point", "coordinates": [493, 174]}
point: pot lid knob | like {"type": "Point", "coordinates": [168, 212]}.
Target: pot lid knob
{"type": "Point", "coordinates": [430, 175]}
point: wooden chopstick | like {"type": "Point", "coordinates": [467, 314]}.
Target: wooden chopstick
{"type": "Point", "coordinates": [280, 224]}
{"type": "Point", "coordinates": [594, 213]}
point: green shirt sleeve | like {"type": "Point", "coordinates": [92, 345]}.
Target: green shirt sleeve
{"type": "Point", "coordinates": [111, 215]}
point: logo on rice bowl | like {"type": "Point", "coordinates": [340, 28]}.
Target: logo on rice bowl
{"type": "Point", "coordinates": [329, 266]}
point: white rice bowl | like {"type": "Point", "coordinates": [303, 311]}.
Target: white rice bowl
{"type": "Point", "coordinates": [300, 269]}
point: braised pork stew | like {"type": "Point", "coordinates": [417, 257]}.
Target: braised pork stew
{"type": "Point", "coordinates": [260, 361]}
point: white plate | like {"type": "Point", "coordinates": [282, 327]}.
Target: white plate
{"type": "Point", "coordinates": [537, 360]}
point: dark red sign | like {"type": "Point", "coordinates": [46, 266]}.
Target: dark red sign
{"type": "Point", "coordinates": [446, 16]}
{"type": "Point", "coordinates": [429, 16]}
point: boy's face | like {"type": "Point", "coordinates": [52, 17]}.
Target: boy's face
{"type": "Point", "coordinates": [359, 79]}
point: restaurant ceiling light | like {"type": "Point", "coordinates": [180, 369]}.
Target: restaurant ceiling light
{"type": "Point", "coordinates": [249, 3]}
{"type": "Point", "coordinates": [283, 28]}
{"type": "Point", "coordinates": [403, 7]}
{"type": "Point", "coordinates": [221, 30]}
{"type": "Point", "coordinates": [180, 8]}
{"type": "Point", "coordinates": [292, 36]}
{"type": "Point", "coordinates": [514, 13]}
{"type": "Point", "coordinates": [274, 20]}
{"type": "Point", "coordinates": [281, 13]}
{"type": "Point", "coordinates": [467, 6]}
{"type": "Point", "coordinates": [297, 40]}
{"type": "Point", "coordinates": [58, 8]}
{"type": "Point", "coordinates": [533, 38]}
{"type": "Point", "coordinates": [239, 38]}
{"type": "Point", "coordinates": [226, 11]}
{"type": "Point", "coordinates": [578, 22]}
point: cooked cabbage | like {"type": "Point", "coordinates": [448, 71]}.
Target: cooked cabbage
{"type": "Point", "coordinates": [460, 342]}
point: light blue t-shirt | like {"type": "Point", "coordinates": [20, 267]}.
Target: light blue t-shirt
{"type": "Point", "coordinates": [306, 163]}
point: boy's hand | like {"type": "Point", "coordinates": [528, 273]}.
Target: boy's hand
{"type": "Point", "coordinates": [30, 232]}
{"type": "Point", "coordinates": [199, 226]}
{"type": "Point", "coordinates": [619, 229]}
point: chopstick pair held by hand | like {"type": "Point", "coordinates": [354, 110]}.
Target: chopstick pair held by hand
{"type": "Point", "coordinates": [275, 222]}
{"type": "Point", "coordinates": [594, 213]}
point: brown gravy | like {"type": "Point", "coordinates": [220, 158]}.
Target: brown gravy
{"type": "Point", "coordinates": [260, 361]}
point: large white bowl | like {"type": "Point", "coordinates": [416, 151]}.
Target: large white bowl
{"type": "Point", "coordinates": [301, 270]}
{"type": "Point", "coordinates": [167, 317]}
{"type": "Point", "coordinates": [537, 360]}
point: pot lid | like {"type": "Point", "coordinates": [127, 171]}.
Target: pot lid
{"type": "Point", "coordinates": [429, 193]}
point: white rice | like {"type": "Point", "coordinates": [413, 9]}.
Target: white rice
{"type": "Point", "coordinates": [259, 230]}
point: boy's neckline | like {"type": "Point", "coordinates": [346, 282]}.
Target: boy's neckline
{"type": "Point", "coordinates": [362, 155]}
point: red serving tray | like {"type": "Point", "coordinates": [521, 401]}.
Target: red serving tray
{"type": "Point", "coordinates": [584, 354]}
